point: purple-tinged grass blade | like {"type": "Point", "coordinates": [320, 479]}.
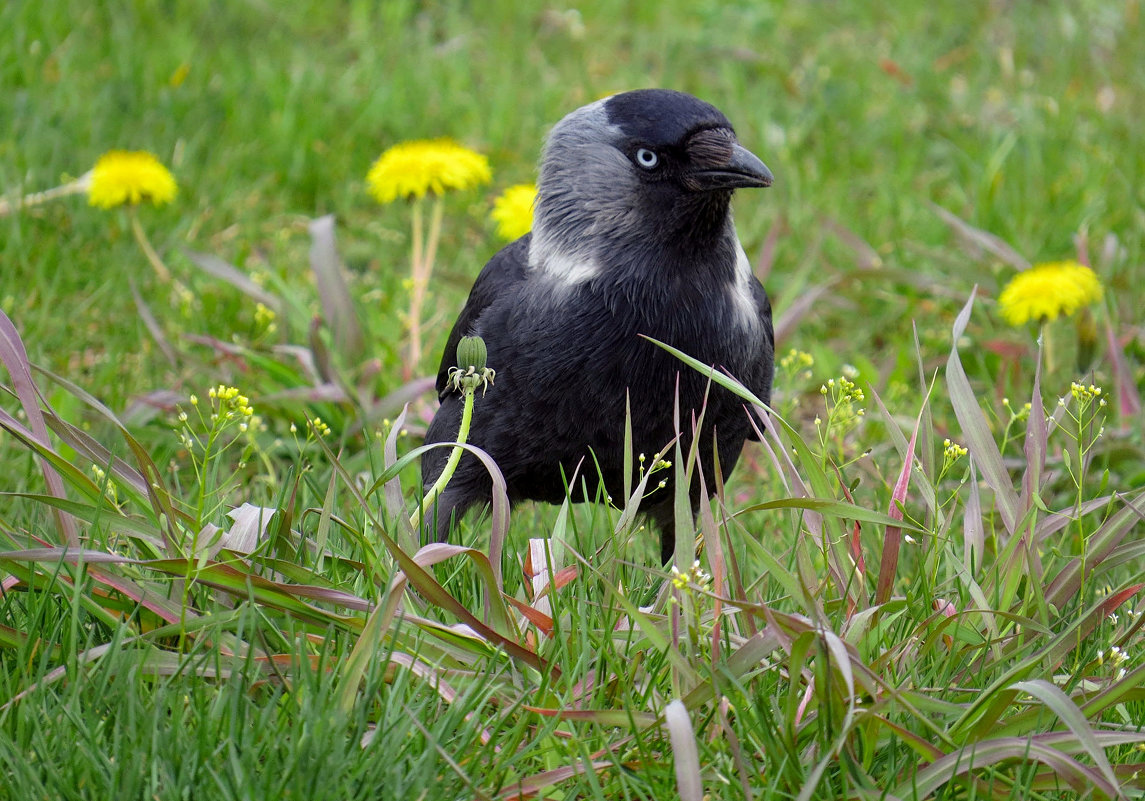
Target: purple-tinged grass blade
{"type": "Point", "coordinates": [152, 325]}
{"type": "Point", "coordinates": [795, 311]}
{"type": "Point", "coordinates": [217, 268]}
{"type": "Point", "coordinates": [87, 446]}
{"type": "Point", "coordinates": [152, 477]}
{"type": "Point", "coordinates": [892, 539]}
{"type": "Point", "coordinates": [978, 241]}
{"type": "Point", "coordinates": [901, 443]}
{"type": "Point", "coordinates": [1037, 435]}
{"type": "Point", "coordinates": [437, 552]}
{"type": "Point", "coordinates": [866, 257]}
{"type": "Point", "coordinates": [711, 536]}
{"type": "Point", "coordinates": [1068, 713]}
{"type": "Point", "coordinates": [979, 440]}
{"type": "Point", "coordinates": [337, 305]}
{"type": "Point", "coordinates": [1053, 522]}
{"type": "Point", "coordinates": [926, 451]}
{"type": "Point", "coordinates": [985, 753]}
{"type": "Point", "coordinates": [401, 397]}
{"type": "Point", "coordinates": [1128, 397]}
{"type": "Point", "coordinates": [529, 787]}
{"type": "Point", "coordinates": [14, 357]}
{"type": "Point", "coordinates": [105, 514]}
{"type": "Point", "coordinates": [392, 490]}
{"type": "Point", "coordinates": [51, 460]}
{"type": "Point", "coordinates": [424, 582]}
{"type": "Point", "coordinates": [766, 258]}
{"type": "Point", "coordinates": [973, 530]}
{"type": "Point", "coordinates": [684, 751]}
{"type": "Point", "coordinates": [1108, 536]}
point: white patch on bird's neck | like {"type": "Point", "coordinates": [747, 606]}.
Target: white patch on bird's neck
{"type": "Point", "coordinates": [569, 269]}
{"type": "Point", "coordinates": [742, 295]}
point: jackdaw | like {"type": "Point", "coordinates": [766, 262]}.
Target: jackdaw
{"type": "Point", "coordinates": [632, 234]}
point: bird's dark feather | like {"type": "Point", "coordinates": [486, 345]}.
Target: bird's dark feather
{"type": "Point", "coordinates": [507, 267]}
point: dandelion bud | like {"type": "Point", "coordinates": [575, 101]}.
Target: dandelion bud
{"type": "Point", "coordinates": [471, 352]}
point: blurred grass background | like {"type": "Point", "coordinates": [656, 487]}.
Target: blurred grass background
{"type": "Point", "coordinates": [1020, 117]}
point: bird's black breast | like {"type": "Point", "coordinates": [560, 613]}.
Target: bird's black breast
{"type": "Point", "coordinates": [570, 358]}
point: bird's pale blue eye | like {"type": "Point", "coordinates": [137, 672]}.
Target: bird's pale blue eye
{"type": "Point", "coordinates": [647, 158]}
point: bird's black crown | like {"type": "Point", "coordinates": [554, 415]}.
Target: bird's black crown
{"type": "Point", "coordinates": [662, 115]}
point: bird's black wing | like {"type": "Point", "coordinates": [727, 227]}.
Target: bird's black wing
{"type": "Point", "coordinates": [506, 269]}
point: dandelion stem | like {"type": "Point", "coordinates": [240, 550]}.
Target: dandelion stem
{"type": "Point", "coordinates": [76, 187]}
{"type": "Point", "coordinates": [145, 244]}
{"type": "Point", "coordinates": [419, 278]}
{"type": "Point", "coordinates": [434, 237]}
{"type": "Point", "coordinates": [451, 464]}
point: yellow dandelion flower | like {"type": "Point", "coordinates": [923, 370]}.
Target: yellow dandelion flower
{"type": "Point", "coordinates": [413, 169]}
{"type": "Point", "coordinates": [1048, 290]}
{"type": "Point", "coordinates": [122, 176]}
{"type": "Point", "coordinates": [513, 211]}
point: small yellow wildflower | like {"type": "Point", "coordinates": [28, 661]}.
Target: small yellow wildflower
{"type": "Point", "coordinates": [264, 317]}
{"type": "Point", "coordinates": [696, 575]}
{"type": "Point", "coordinates": [1048, 290]}
{"type": "Point", "coordinates": [121, 177]}
{"type": "Point", "coordinates": [513, 211]}
{"type": "Point", "coordinates": [796, 360]}
{"type": "Point", "coordinates": [413, 169]}
{"type": "Point", "coordinates": [952, 450]}
{"type": "Point", "coordinates": [1083, 394]}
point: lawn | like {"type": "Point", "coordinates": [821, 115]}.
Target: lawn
{"type": "Point", "coordinates": [926, 581]}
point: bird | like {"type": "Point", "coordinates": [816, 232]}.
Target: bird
{"type": "Point", "coordinates": [632, 237]}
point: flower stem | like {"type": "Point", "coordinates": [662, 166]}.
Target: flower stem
{"type": "Point", "coordinates": [145, 244]}
{"type": "Point", "coordinates": [417, 292]}
{"type": "Point", "coordinates": [421, 267]}
{"type": "Point", "coordinates": [76, 187]}
{"type": "Point", "coordinates": [450, 465]}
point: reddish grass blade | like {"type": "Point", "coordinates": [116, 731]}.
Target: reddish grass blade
{"type": "Point", "coordinates": [1116, 527]}
{"type": "Point", "coordinates": [766, 258]}
{"type": "Point", "coordinates": [337, 305]}
{"type": "Point", "coordinates": [866, 257]}
{"type": "Point", "coordinates": [892, 539]}
{"type": "Point", "coordinates": [977, 241]}
{"type": "Point", "coordinates": [217, 268]}
{"type": "Point", "coordinates": [1068, 713]}
{"type": "Point", "coordinates": [1037, 434]}
{"type": "Point", "coordinates": [1128, 398]}
{"type": "Point", "coordinates": [979, 439]}
{"type": "Point", "coordinates": [15, 358]}
{"type": "Point", "coordinates": [973, 530]}
{"type": "Point", "coordinates": [795, 311]}
{"type": "Point", "coordinates": [152, 325]}
{"type": "Point", "coordinates": [392, 489]}
{"type": "Point", "coordinates": [990, 752]}
{"type": "Point", "coordinates": [530, 786]}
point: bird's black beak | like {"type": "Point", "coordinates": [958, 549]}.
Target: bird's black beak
{"type": "Point", "coordinates": [741, 171]}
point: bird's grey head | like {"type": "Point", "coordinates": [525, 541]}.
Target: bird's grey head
{"type": "Point", "coordinates": [651, 165]}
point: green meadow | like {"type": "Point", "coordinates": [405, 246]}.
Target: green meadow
{"type": "Point", "coordinates": [926, 582]}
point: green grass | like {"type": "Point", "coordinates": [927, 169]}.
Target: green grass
{"type": "Point", "coordinates": [940, 631]}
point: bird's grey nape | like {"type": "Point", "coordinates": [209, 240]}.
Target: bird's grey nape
{"type": "Point", "coordinates": [580, 196]}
